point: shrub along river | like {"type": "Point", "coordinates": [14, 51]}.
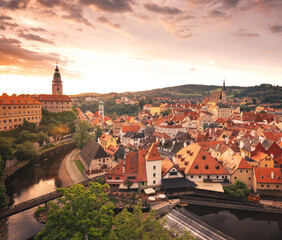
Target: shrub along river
{"type": "Point", "coordinates": [41, 177]}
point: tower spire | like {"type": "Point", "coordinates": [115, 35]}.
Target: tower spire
{"type": "Point", "coordinates": [223, 88]}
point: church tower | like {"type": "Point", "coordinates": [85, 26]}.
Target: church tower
{"type": "Point", "coordinates": [101, 109]}
{"type": "Point", "coordinates": [57, 84]}
{"type": "Point", "coordinates": [223, 93]}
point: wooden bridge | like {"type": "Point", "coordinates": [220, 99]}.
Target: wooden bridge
{"type": "Point", "coordinates": [14, 209]}
{"type": "Point", "coordinates": [244, 206]}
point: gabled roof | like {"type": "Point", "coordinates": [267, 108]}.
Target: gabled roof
{"type": "Point", "coordinates": [91, 151]}
{"type": "Point", "coordinates": [167, 164]}
{"type": "Point", "coordinates": [53, 98]}
{"type": "Point", "coordinates": [270, 136]}
{"type": "Point", "coordinates": [268, 175]}
{"type": "Point", "coordinates": [105, 137]}
{"type": "Point", "coordinates": [117, 169]}
{"type": "Point", "coordinates": [153, 154]}
{"type": "Point", "coordinates": [142, 176]}
{"type": "Point", "coordinates": [17, 100]}
{"type": "Point", "coordinates": [259, 156]}
{"type": "Point", "coordinates": [244, 164]}
{"type": "Point", "coordinates": [131, 128]}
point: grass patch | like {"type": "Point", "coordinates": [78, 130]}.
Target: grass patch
{"type": "Point", "coordinates": [79, 165]}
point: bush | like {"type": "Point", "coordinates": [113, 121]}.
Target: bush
{"type": "Point", "coordinates": [237, 190]}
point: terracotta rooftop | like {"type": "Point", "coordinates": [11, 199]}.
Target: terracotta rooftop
{"type": "Point", "coordinates": [153, 154]}
{"type": "Point", "coordinates": [17, 100]}
{"type": "Point", "coordinates": [54, 98]}
{"type": "Point", "coordinates": [268, 175]}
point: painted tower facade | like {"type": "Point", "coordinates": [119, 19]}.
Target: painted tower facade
{"type": "Point", "coordinates": [57, 84]}
{"type": "Point", "coordinates": [101, 109]}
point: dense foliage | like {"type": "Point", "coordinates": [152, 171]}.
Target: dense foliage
{"type": "Point", "coordinates": [111, 108]}
{"type": "Point", "coordinates": [82, 133]}
{"type": "Point", "coordinates": [87, 213]}
{"type": "Point", "coordinates": [267, 93]}
{"type": "Point", "coordinates": [237, 190]}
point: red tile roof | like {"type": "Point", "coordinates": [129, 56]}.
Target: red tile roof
{"type": "Point", "coordinates": [53, 98]}
{"type": "Point", "coordinates": [244, 164]}
{"type": "Point", "coordinates": [153, 154]}
{"type": "Point", "coordinates": [17, 100]}
{"type": "Point", "coordinates": [264, 175]}
{"type": "Point", "coordinates": [142, 176]}
{"type": "Point", "coordinates": [131, 128]}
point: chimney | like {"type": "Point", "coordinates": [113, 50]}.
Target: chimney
{"type": "Point", "coordinates": [241, 144]}
{"type": "Point", "coordinates": [252, 148]}
{"type": "Point", "coordinates": [272, 175]}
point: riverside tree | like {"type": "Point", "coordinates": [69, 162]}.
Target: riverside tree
{"type": "Point", "coordinates": [80, 214]}
{"type": "Point", "coordinates": [87, 213]}
{"type": "Point", "coordinates": [237, 190]}
{"type": "Point", "coordinates": [82, 135]}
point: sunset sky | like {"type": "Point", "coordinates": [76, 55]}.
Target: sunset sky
{"type": "Point", "coordinates": [130, 45]}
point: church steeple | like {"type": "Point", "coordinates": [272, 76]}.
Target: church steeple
{"type": "Point", "coordinates": [57, 84]}
{"type": "Point", "coordinates": [223, 93]}
{"type": "Point", "coordinates": [223, 88]}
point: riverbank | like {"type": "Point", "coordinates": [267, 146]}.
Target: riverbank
{"type": "Point", "coordinates": [64, 175]}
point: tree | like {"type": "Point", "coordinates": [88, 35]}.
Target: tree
{"type": "Point", "coordinates": [6, 150]}
{"type": "Point", "coordinates": [80, 214]}
{"type": "Point", "coordinates": [237, 190]}
{"type": "Point", "coordinates": [26, 151]}
{"type": "Point", "coordinates": [82, 135]}
{"type": "Point", "coordinates": [136, 225]}
{"type": "Point", "coordinates": [98, 133]}
{"type": "Point", "coordinates": [128, 183]}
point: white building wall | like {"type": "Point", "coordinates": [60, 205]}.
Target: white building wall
{"type": "Point", "coordinates": [154, 173]}
{"type": "Point", "coordinates": [214, 178]}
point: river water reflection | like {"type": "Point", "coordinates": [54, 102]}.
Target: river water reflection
{"type": "Point", "coordinates": [241, 225]}
{"type": "Point", "coordinates": [31, 181]}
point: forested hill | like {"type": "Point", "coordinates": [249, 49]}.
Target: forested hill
{"type": "Point", "coordinates": [265, 92]}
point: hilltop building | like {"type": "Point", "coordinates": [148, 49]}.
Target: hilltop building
{"type": "Point", "coordinates": [218, 96]}
{"type": "Point", "coordinates": [15, 109]}
{"type": "Point", "coordinates": [57, 102]}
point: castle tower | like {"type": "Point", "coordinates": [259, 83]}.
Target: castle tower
{"type": "Point", "coordinates": [57, 84]}
{"type": "Point", "coordinates": [101, 109]}
{"type": "Point", "coordinates": [223, 93]}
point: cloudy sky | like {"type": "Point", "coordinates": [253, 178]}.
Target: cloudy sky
{"type": "Point", "coordinates": [129, 45]}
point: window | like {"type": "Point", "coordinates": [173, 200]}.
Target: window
{"type": "Point", "coordinates": [249, 178]}
{"type": "Point", "coordinates": [117, 178]}
{"type": "Point", "coordinates": [268, 186]}
{"type": "Point", "coordinates": [277, 186]}
{"type": "Point", "coordinates": [192, 176]}
{"type": "Point", "coordinates": [261, 185]}
{"type": "Point", "coordinates": [154, 174]}
{"type": "Point", "coordinates": [173, 173]}
{"type": "Point", "coordinates": [154, 167]}
{"type": "Point", "coordinates": [109, 178]}
{"type": "Point", "coordinates": [200, 176]}
{"type": "Point", "coordinates": [235, 177]}
{"type": "Point", "coordinates": [154, 182]}
{"type": "Point", "coordinates": [247, 171]}
{"type": "Point", "coordinates": [216, 176]}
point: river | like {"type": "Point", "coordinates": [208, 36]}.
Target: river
{"type": "Point", "coordinates": [241, 225]}
{"type": "Point", "coordinates": [39, 178]}
{"type": "Point", "coordinates": [31, 181]}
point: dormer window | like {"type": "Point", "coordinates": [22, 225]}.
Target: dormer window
{"type": "Point", "coordinates": [217, 167]}
{"type": "Point", "coordinates": [207, 167]}
{"type": "Point", "coordinates": [196, 166]}
{"type": "Point", "coordinates": [203, 157]}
